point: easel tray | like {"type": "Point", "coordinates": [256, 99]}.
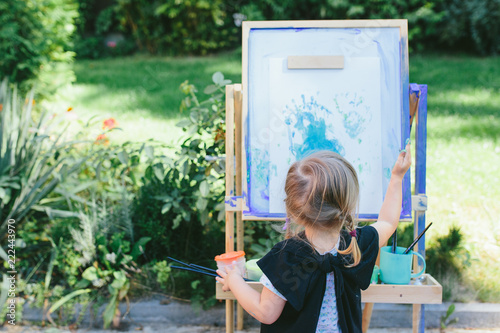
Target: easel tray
{"type": "Point", "coordinates": [425, 290]}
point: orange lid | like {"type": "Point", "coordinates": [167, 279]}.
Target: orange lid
{"type": "Point", "coordinates": [230, 256]}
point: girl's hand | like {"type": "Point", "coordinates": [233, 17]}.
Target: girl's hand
{"type": "Point", "coordinates": [233, 272]}
{"type": "Point", "coordinates": [403, 162]}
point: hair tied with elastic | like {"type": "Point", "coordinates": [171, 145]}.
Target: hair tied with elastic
{"type": "Point", "coordinates": [287, 222]}
{"type": "Point", "coordinates": [353, 233]}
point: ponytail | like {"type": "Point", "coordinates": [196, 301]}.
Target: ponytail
{"type": "Point", "coordinates": [353, 248]}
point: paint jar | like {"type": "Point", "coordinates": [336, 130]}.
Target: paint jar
{"type": "Point", "coordinates": [230, 259]}
{"type": "Point", "coordinates": [253, 270]}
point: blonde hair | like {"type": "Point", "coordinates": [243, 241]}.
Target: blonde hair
{"type": "Point", "coordinates": [322, 192]}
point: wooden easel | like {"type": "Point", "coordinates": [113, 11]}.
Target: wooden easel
{"type": "Point", "coordinates": [430, 292]}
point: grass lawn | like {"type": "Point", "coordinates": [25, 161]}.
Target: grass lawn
{"type": "Point", "coordinates": [141, 92]}
{"type": "Point", "coordinates": [463, 161]}
{"type": "Point", "coordinates": [463, 158]}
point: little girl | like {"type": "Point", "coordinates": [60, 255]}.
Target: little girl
{"type": "Point", "coordinates": [313, 279]}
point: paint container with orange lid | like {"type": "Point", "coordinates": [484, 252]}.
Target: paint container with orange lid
{"type": "Point", "coordinates": [231, 259]}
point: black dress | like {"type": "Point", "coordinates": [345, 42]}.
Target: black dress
{"type": "Point", "coordinates": [298, 272]}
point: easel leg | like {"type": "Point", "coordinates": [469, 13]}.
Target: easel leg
{"type": "Point", "coordinates": [239, 317]}
{"type": "Point", "coordinates": [229, 316]}
{"type": "Point", "coordinates": [239, 179]}
{"type": "Point", "coordinates": [418, 318]}
{"type": "Point", "coordinates": [367, 311]}
{"type": "Point", "coordinates": [230, 168]}
{"type": "Point", "coordinates": [367, 316]}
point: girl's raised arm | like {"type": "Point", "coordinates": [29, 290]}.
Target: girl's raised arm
{"type": "Point", "coordinates": [390, 212]}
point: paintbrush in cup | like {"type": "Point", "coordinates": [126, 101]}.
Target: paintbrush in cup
{"type": "Point", "coordinates": [394, 241]}
{"type": "Point", "coordinates": [416, 240]}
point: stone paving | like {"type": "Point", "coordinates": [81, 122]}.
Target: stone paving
{"type": "Point", "coordinates": [156, 315]}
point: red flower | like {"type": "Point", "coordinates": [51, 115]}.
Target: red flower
{"type": "Point", "coordinates": [102, 139]}
{"type": "Point", "coordinates": [109, 124]}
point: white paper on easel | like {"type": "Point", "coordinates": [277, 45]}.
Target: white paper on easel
{"type": "Point", "coordinates": [313, 110]}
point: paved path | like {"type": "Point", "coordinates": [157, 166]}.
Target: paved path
{"type": "Point", "coordinates": [154, 316]}
{"type": "Point", "coordinates": [206, 329]}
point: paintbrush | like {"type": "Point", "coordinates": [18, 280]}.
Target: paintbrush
{"type": "Point", "coordinates": [394, 241]}
{"type": "Point", "coordinates": [193, 265]}
{"type": "Point", "coordinates": [195, 270]}
{"type": "Point", "coordinates": [416, 240]}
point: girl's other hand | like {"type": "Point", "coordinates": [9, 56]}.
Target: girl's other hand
{"type": "Point", "coordinates": [233, 272]}
{"type": "Point", "coordinates": [403, 162]}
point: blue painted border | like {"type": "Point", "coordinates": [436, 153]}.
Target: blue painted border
{"type": "Point", "coordinates": [406, 211]}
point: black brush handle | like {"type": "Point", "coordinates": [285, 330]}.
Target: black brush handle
{"type": "Point", "coordinates": [195, 270]}
{"type": "Point", "coordinates": [178, 261]}
{"type": "Point", "coordinates": [204, 268]}
{"type": "Point", "coordinates": [192, 265]}
{"type": "Point", "coordinates": [394, 241]}
{"type": "Point", "coordinates": [416, 240]}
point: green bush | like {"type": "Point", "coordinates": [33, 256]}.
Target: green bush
{"type": "Point", "coordinates": [472, 26]}
{"type": "Point", "coordinates": [199, 26]}
{"type": "Point", "coordinates": [35, 39]}
{"type": "Point", "coordinates": [179, 27]}
{"type": "Point", "coordinates": [101, 32]}
{"type": "Point", "coordinates": [32, 163]}
{"type": "Point", "coordinates": [181, 204]}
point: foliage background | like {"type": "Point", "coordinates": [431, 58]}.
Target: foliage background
{"type": "Point", "coordinates": [36, 43]}
{"type": "Point", "coordinates": [177, 27]}
{"type": "Point", "coordinates": [84, 239]}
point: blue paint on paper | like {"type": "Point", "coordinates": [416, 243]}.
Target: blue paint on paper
{"type": "Point", "coordinates": [259, 169]}
{"type": "Point", "coordinates": [352, 118]}
{"type": "Point", "coordinates": [387, 173]}
{"type": "Point", "coordinates": [307, 121]}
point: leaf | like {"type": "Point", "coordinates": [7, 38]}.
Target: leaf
{"type": "Point", "coordinates": [109, 312]}
{"type": "Point", "coordinates": [4, 289]}
{"type": "Point", "coordinates": [90, 274]}
{"type": "Point", "coordinates": [159, 171]}
{"type": "Point", "coordinates": [204, 188]}
{"type": "Point", "coordinates": [161, 9]}
{"type": "Point", "coordinates": [183, 123]}
{"type": "Point", "coordinates": [139, 247]}
{"type": "Point", "coordinates": [3, 255]}
{"type": "Point", "coordinates": [193, 116]}
{"type": "Point", "coordinates": [83, 283]}
{"type": "Point", "coordinates": [195, 284]}
{"type": "Point", "coordinates": [120, 275]}
{"type": "Point", "coordinates": [66, 298]}
{"type": "Point", "coordinates": [201, 204]}
{"type": "Point", "coordinates": [209, 90]}
{"type": "Point", "coordinates": [218, 78]}
{"type": "Point", "coordinates": [221, 216]}
{"type": "Point", "coordinates": [166, 207]}
{"type": "Point", "coordinates": [124, 290]}
{"type": "Point", "coordinates": [123, 157]}
{"type": "Point", "coordinates": [119, 280]}
{"type": "Point", "coordinates": [177, 221]}
{"type": "Point", "coordinates": [150, 152]}
{"type": "Point", "coordinates": [450, 310]}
